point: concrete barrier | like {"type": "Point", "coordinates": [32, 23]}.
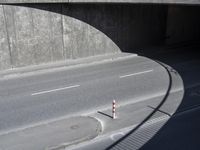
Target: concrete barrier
{"type": "Point", "coordinates": [39, 33]}
{"type": "Point", "coordinates": [33, 34]}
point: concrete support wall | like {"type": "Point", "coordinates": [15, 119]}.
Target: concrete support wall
{"type": "Point", "coordinates": [183, 24]}
{"type": "Point", "coordinates": [32, 34]}
{"type": "Point", "coordinates": [40, 33]}
{"type": "Point", "coordinates": [5, 59]}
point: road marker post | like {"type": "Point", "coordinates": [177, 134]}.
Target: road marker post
{"type": "Point", "coordinates": [114, 109]}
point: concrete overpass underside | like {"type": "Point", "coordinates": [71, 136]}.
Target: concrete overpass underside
{"type": "Point", "coordinates": [193, 2]}
{"type": "Point", "coordinates": [34, 32]}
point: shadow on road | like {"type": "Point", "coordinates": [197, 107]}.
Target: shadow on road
{"type": "Point", "coordinates": [182, 131]}
{"type": "Point", "coordinates": [149, 116]}
{"type": "Point", "coordinates": [104, 114]}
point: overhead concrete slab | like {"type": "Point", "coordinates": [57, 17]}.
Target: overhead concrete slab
{"type": "Point", "coordinates": [104, 1]}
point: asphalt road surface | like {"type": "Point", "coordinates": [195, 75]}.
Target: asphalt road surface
{"type": "Point", "coordinates": [42, 97]}
{"type": "Point", "coordinates": [182, 130]}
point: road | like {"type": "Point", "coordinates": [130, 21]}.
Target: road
{"type": "Point", "coordinates": [186, 61]}
{"type": "Point", "coordinates": [182, 130]}
{"type": "Point", "coordinates": [30, 100]}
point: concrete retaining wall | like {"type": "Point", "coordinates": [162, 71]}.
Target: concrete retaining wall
{"type": "Point", "coordinates": [36, 34]}
{"type": "Point", "coordinates": [33, 34]}
{"type": "Point", "coordinates": [183, 24]}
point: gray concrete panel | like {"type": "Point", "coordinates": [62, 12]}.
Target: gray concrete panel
{"type": "Point", "coordinates": [57, 53]}
{"type": "Point", "coordinates": [102, 1]}
{"type": "Point", "coordinates": [4, 43]}
{"type": "Point", "coordinates": [182, 24]}
{"type": "Point", "coordinates": [11, 32]}
{"type": "Point", "coordinates": [25, 55]}
{"type": "Point", "coordinates": [97, 19]}
{"type": "Point", "coordinates": [42, 51]}
{"type": "Point", "coordinates": [81, 38]}
{"type": "Point", "coordinates": [75, 35]}
{"type": "Point", "coordinates": [24, 35]}
{"type": "Point", "coordinates": [70, 45]}
{"type": "Point", "coordinates": [42, 34]}
{"type": "Point", "coordinates": [56, 33]}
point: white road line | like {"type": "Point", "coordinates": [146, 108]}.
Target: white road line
{"type": "Point", "coordinates": [54, 90]}
{"type": "Point", "coordinates": [133, 74]}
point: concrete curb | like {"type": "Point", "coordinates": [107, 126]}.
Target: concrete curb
{"type": "Point", "coordinates": [57, 66]}
{"type": "Point", "coordinates": [56, 135]}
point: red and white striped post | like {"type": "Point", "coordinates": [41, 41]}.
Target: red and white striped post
{"type": "Point", "coordinates": [113, 109]}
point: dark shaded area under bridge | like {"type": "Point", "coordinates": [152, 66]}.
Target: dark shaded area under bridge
{"type": "Point", "coordinates": [136, 28]}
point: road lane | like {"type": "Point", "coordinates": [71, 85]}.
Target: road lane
{"type": "Point", "coordinates": [69, 76]}
{"type": "Point", "coordinates": [99, 85]}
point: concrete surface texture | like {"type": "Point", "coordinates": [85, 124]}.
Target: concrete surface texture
{"type": "Point", "coordinates": [52, 136]}
{"type": "Point", "coordinates": [36, 107]}
{"type": "Point", "coordinates": [184, 122]}
{"type": "Point", "coordinates": [58, 66]}
{"type": "Point", "coordinates": [83, 90]}
{"type": "Point", "coordinates": [102, 1]}
{"type": "Point", "coordinates": [33, 34]}
{"type": "Point", "coordinates": [182, 24]}
{"type": "Point", "coordinates": [141, 132]}
{"type": "Point", "coordinates": [41, 33]}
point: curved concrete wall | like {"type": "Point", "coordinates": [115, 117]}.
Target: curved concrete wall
{"type": "Point", "coordinates": [183, 24]}
{"type": "Point", "coordinates": [42, 33]}
{"type": "Point", "coordinates": [33, 34]}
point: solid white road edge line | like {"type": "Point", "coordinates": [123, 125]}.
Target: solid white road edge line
{"type": "Point", "coordinates": [133, 74]}
{"type": "Point", "coordinates": [54, 90]}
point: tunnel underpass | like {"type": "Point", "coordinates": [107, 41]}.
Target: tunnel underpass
{"type": "Point", "coordinates": [41, 33]}
{"type": "Point", "coordinates": [33, 34]}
